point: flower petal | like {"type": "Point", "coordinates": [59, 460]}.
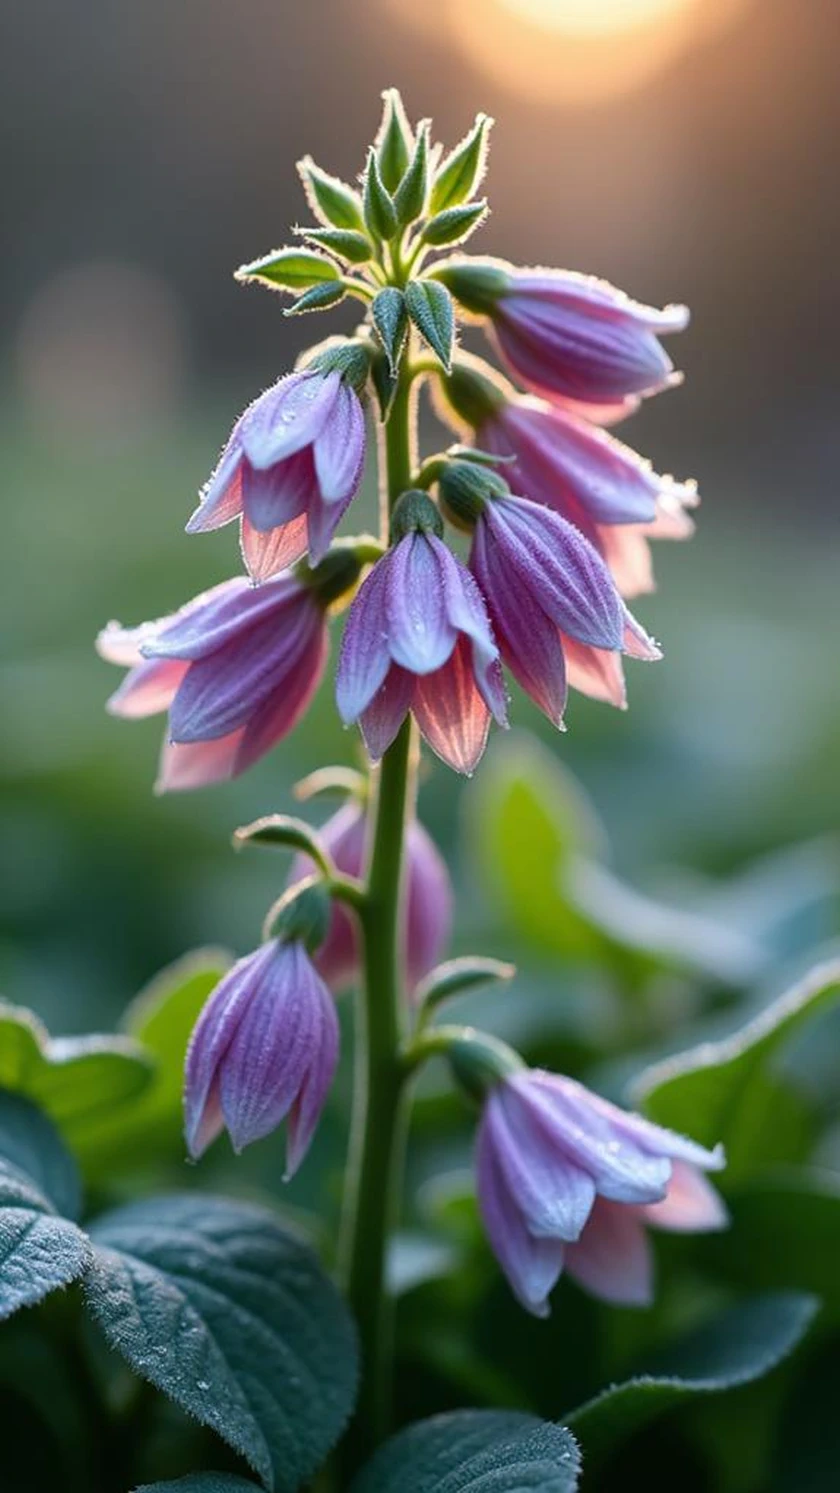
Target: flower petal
{"type": "Point", "coordinates": [612, 1259]}
{"type": "Point", "coordinates": [275, 495]}
{"type": "Point", "coordinates": [197, 764]}
{"type": "Point", "coordinates": [692, 1205]}
{"type": "Point", "coordinates": [450, 712]}
{"type": "Point", "coordinates": [283, 708]}
{"type": "Point", "coordinates": [554, 1196]}
{"type": "Point", "coordinates": [381, 719]}
{"type": "Point", "coordinates": [265, 555]}
{"type": "Point", "coordinates": [288, 416]}
{"type": "Point", "coordinates": [217, 617]}
{"type": "Point", "coordinates": [220, 500]}
{"type": "Point", "coordinates": [148, 688]}
{"type": "Point", "coordinates": [529, 640]}
{"type": "Point", "coordinates": [420, 635]}
{"type": "Point", "coordinates": [364, 659]}
{"type": "Point", "coordinates": [595, 672]}
{"type": "Point", "coordinates": [340, 447]}
{"type": "Point", "coordinates": [532, 1266]}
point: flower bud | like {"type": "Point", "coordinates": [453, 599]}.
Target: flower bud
{"type": "Point", "coordinates": [465, 489]}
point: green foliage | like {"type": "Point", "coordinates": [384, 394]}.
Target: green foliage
{"type": "Point", "coordinates": [488, 1451]}
{"type": "Point", "coordinates": [39, 1249]}
{"type": "Point", "coordinates": [785, 1231]}
{"type": "Point", "coordinates": [290, 269]}
{"type": "Point", "coordinates": [233, 1319]}
{"type": "Point", "coordinates": [430, 307]}
{"type": "Point", "coordinates": [741, 1345]}
{"type": "Point", "coordinates": [462, 171]}
{"type": "Point", "coordinates": [454, 225]}
{"type": "Point", "coordinates": [394, 142]}
{"type": "Point", "coordinates": [410, 196]}
{"type": "Point", "coordinates": [334, 203]}
{"type": "Point", "coordinates": [201, 1482]}
{"type": "Point", "coordinates": [346, 243]}
{"type": "Point", "coordinates": [380, 215]}
{"type": "Point", "coordinates": [319, 298]}
{"type": "Point", "coordinates": [391, 321]}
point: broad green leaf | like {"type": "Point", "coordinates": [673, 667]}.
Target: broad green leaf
{"type": "Point", "coordinates": [430, 307]}
{"type": "Point", "coordinates": [290, 269]}
{"type": "Point", "coordinates": [234, 1320]}
{"type": "Point", "coordinates": [202, 1482]}
{"type": "Point", "coordinates": [78, 1081]}
{"type": "Point", "coordinates": [282, 831]}
{"type": "Point", "coordinates": [40, 1249]}
{"type": "Point", "coordinates": [463, 169]}
{"type": "Point", "coordinates": [719, 1091]}
{"type": "Point", "coordinates": [785, 1234]}
{"type": "Point", "coordinates": [161, 1018]}
{"type": "Point", "coordinates": [741, 1345]}
{"type": "Point", "coordinates": [485, 1451]}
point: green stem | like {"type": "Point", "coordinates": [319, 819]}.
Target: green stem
{"type": "Point", "coordinates": [378, 1126]}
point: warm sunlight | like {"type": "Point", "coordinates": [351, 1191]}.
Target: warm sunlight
{"type": "Point", "coordinates": [594, 18]}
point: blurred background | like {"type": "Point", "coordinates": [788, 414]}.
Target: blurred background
{"type": "Point", "coordinates": [682, 148]}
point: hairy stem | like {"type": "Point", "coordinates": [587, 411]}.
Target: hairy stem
{"type": "Point", "coordinates": [377, 1132]}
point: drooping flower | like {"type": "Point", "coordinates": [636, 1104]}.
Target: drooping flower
{"type": "Point", "coordinates": [572, 337]}
{"type": "Point", "coordinates": [555, 609]}
{"type": "Point", "coordinates": [567, 1180]}
{"type": "Point", "coordinates": [418, 639]}
{"type": "Point", "coordinates": [264, 1049]}
{"type": "Point", "coordinates": [428, 899]}
{"type": "Point", "coordinates": [609, 492]}
{"type": "Point", "coordinates": [291, 467]}
{"type": "Point", "coordinates": [235, 668]}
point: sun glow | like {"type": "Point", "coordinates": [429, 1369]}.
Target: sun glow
{"type": "Point", "coordinates": [593, 18]}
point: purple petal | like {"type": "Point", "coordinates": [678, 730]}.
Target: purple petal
{"type": "Point", "coordinates": [211, 1037]}
{"type": "Point", "coordinates": [467, 612]}
{"type": "Point", "coordinates": [612, 1260]}
{"type": "Point", "coordinates": [340, 448]}
{"type": "Point", "coordinates": [364, 660]}
{"type": "Point", "coordinates": [275, 495]}
{"type": "Point", "coordinates": [280, 713]}
{"type": "Point", "coordinates": [324, 519]}
{"type": "Point", "coordinates": [529, 640]}
{"type": "Point", "coordinates": [148, 688]}
{"type": "Point", "coordinates": [288, 416]}
{"type": "Point", "coordinates": [344, 835]}
{"type": "Point", "coordinates": [554, 1196]}
{"type": "Point", "coordinates": [306, 1110]}
{"type": "Point", "coordinates": [381, 719]}
{"type": "Point", "coordinates": [428, 913]}
{"type": "Point", "coordinates": [220, 499]}
{"type": "Point", "coordinates": [420, 634]}
{"type": "Point", "coordinates": [218, 616]}
{"type": "Point", "coordinates": [532, 1266]}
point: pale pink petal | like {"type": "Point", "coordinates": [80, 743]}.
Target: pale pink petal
{"type": "Point", "coordinates": [265, 555]}
{"type": "Point", "coordinates": [221, 499]}
{"type": "Point", "coordinates": [148, 688]}
{"type": "Point", "coordinates": [450, 712]}
{"type": "Point", "coordinates": [197, 764]}
{"type": "Point", "coordinates": [595, 672]}
{"type": "Point", "coordinates": [692, 1204]}
{"type": "Point", "coordinates": [612, 1259]}
{"type": "Point", "coordinates": [123, 645]}
{"type": "Point", "coordinates": [627, 553]}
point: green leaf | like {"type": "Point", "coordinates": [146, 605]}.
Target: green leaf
{"type": "Point", "coordinates": [345, 242]}
{"type": "Point", "coordinates": [720, 1089]}
{"type": "Point", "coordinates": [319, 298]}
{"type": "Point", "coordinates": [202, 1482]}
{"type": "Point", "coordinates": [463, 169]}
{"type": "Point", "coordinates": [285, 833]}
{"type": "Point", "coordinates": [394, 141]}
{"type": "Point", "coordinates": [410, 196]}
{"type": "Point", "coordinates": [457, 976]}
{"type": "Point", "coordinates": [785, 1233]}
{"type": "Point", "coordinates": [149, 1131]}
{"type": "Point", "coordinates": [334, 203]}
{"type": "Point", "coordinates": [485, 1451]}
{"type": "Point", "coordinates": [455, 224]}
{"type": "Point", "coordinates": [39, 1249]}
{"type": "Point", "coordinates": [290, 269]}
{"type": "Point", "coordinates": [380, 217]}
{"type": "Point", "coordinates": [430, 307]}
{"type": "Point", "coordinates": [384, 384]}
{"type": "Point", "coordinates": [234, 1320]}
{"type": "Point", "coordinates": [79, 1081]}
{"type": "Point", "coordinates": [741, 1345]}
{"type": "Point", "coordinates": [391, 321]}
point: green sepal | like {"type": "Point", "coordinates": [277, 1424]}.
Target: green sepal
{"type": "Point", "coordinates": [480, 1062]}
{"type": "Point", "coordinates": [415, 513]}
{"type": "Point", "coordinates": [348, 356]}
{"type": "Point", "coordinates": [454, 224]}
{"type": "Point", "coordinates": [411, 194]}
{"type": "Point", "coordinates": [430, 307]}
{"type": "Point", "coordinates": [384, 384]}
{"type": "Point", "coordinates": [301, 915]}
{"type": "Point", "coordinates": [380, 216]}
{"type": "Point", "coordinates": [457, 976]}
{"type": "Point", "coordinates": [394, 141]}
{"type": "Point", "coordinates": [283, 832]}
{"type": "Point", "coordinates": [332, 201]}
{"type": "Point", "coordinates": [476, 284]}
{"type": "Point", "coordinates": [390, 318]}
{"type": "Point", "coordinates": [290, 269]}
{"type": "Point", "coordinates": [463, 169]}
{"type": "Point", "coordinates": [345, 243]}
{"type": "Point", "coordinates": [345, 781]}
{"type": "Point", "coordinates": [319, 298]}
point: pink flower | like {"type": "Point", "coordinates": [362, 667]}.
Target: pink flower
{"type": "Point", "coordinates": [428, 899]}
{"type": "Point", "coordinates": [291, 467]}
{"type": "Point", "coordinates": [418, 639]}
{"type": "Point", "coordinates": [568, 1180]}
{"type": "Point", "coordinates": [264, 1049]}
{"type": "Point", "coordinates": [612, 495]}
{"type": "Point", "coordinates": [235, 668]}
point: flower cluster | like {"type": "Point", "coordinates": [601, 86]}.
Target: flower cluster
{"type": "Point", "coordinates": [559, 514]}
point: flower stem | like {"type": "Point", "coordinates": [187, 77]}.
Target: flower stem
{"type": "Point", "coordinates": [377, 1133]}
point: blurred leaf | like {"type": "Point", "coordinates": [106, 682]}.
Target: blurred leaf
{"type": "Point", "coordinates": [39, 1249]}
{"type": "Point", "coordinates": [741, 1345]}
{"type": "Point", "coordinates": [457, 976]}
{"type": "Point", "coordinates": [414, 1258]}
{"type": "Point", "coordinates": [719, 1091]}
{"type": "Point", "coordinates": [785, 1233]}
{"type": "Point", "coordinates": [234, 1320]}
{"type": "Point", "coordinates": [807, 1450]}
{"type": "Point", "coordinates": [202, 1482]}
{"type": "Point", "coordinates": [35, 1371]}
{"type": "Point", "coordinates": [161, 1018]}
{"type": "Point", "coordinates": [78, 1081]}
{"type": "Point", "coordinates": [487, 1451]}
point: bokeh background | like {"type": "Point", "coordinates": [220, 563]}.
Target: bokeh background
{"type": "Point", "coordinates": [686, 150]}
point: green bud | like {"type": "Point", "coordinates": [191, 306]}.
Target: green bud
{"type": "Point", "coordinates": [345, 243]}
{"type": "Point", "coordinates": [290, 269]}
{"type": "Point", "coordinates": [380, 217]}
{"type": "Point", "coordinates": [475, 283]}
{"type": "Point", "coordinates": [430, 307]}
{"type": "Point", "coordinates": [463, 169]}
{"type": "Point", "coordinates": [391, 321]}
{"type": "Point", "coordinates": [479, 1062]}
{"type": "Point", "coordinates": [302, 915]}
{"type": "Point", "coordinates": [470, 393]}
{"type": "Point", "coordinates": [410, 196]}
{"type": "Point", "coordinates": [465, 488]}
{"type": "Point", "coordinates": [348, 356]}
{"type": "Point", "coordinates": [331, 200]}
{"type": "Point", "coordinates": [454, 224]}
{"type": "Point", "coordinates": [333, 576]}
{"type": "Point", "coordinates": [319, 298]}
{"type": "Point", "coordinates": [415, 513]}
{"type": "Point", "coordinates": [394, 141]}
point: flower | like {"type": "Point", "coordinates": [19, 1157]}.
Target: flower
{"type": "Point", "coordinates": [236, 668]}
{"type": "Point", "coordinates": [264, 1049]}
{"type": "Point", "coordinates": [568, 1180]}
{"type": "Point", "coordinates": [609, 492]}
{"type": "Point", "coordinates": [418, 638]}
{"type": "Point", "coordinates": [554, 606]}
{"type": "Point", "coordinates": [573, 337]}
{"type": "Point", "coordinates": [428, 899]}
{"type": "Point", "coordinates": [291, 467]}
